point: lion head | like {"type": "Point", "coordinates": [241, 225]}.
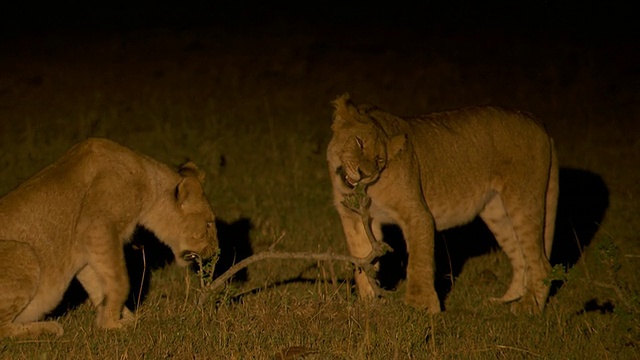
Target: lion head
{"type": "Point", "coordinates": [364, 140]}
{"type": "Point", "coordinates": [186, 221]}
{"type": "Point", "coordinates": [199, 237]}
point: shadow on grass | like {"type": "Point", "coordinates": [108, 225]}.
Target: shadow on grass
{"type": "Point", "coordinates": [452, 248]}
{"type": "Point", "coordinates": [299, 279]}
{"type": "Point", "coordinates": [234, 246]}
{"type": "Point", "coordinates": [583, 202]}
{"type": "Point", "coordinates": [584, 199]}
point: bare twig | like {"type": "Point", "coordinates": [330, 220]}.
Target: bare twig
{"type": "Point", "coordinates": [273, 246]}
{"type": "Point", "coordinates": [270, 254]}
{"type": "Point", "coordinates": [144, 271]}
{"type": "Point", "coordinates": [187, 281]}
{"type": "Point", "coordinates": [359, 202]}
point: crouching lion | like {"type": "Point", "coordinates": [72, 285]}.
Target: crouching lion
{"type": "Point", "coordinates": [441, 170]}
{"type": "Point", "coordinates": [72, 219]}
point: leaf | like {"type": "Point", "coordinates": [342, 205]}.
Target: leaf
{"type": "Point", "coordinates": [358, 200]}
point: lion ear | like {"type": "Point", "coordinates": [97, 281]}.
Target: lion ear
{"type": "Point", "coordinates": [189, 169]}
{"type": "Point", "coordinates": [188, 187]}
{"type": "Point", "coordinates": [346, 112]}
{"type": "Point", "coordinates": [395, 145]}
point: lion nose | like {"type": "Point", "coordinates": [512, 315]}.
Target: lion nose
{"type": "Point", "coordinates": [207, 252]}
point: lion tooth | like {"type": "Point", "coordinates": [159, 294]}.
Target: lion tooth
{"type": "Point", "coordinates": [190, 256]}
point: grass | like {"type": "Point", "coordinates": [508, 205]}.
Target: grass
{"type": "Point", "coordinates": [254, 112]}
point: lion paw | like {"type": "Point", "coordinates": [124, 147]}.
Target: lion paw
{"type": "Point", "coordinates": [51, 327]}
{"type": "Point", "coordinates": [107, 320]}
{"type": "Point", "coordinates": [31, 330]}
{"type": "Point", "coordinates": [128, 316]}
{"type": "Point", "coordinates": [503, 299]}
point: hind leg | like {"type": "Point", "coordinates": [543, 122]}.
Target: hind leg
{"type": "Point", "coordinates": [19, 279]}
{"type": "Point", "coordinates": [527, 217]}
{"type": "Point", "coordinates": [495, 217]}
{"type": "Point", "coordinates": [31, 330]}
{"type": "Point", "coordinates": [551, 204]}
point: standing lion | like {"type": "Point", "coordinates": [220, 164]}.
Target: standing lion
{"type": "Point", "coordinates": [441, 170]}
{"type": "Point", "coordinates": [73, 218]}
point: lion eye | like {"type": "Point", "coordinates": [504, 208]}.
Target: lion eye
{"type": "Point", "coordinates": [360, 143]}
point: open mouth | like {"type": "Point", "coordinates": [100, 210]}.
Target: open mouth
{"type": "Point", "coordinates": [350, 181]}
{"type": "Point", "coordinates": [346, 179]}
{"type": "Point", "coordinates": [365, 180]}
{"type": "Point", "coordinates": [193, 255]}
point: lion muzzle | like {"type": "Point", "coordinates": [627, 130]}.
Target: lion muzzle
{"type": "Point", "coordinates": [191, 255]}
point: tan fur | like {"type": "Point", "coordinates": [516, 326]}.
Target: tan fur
{"type": "Point", "coordinates": [72, 219]}
{"type": "Point", "coordinates": [441, 170]}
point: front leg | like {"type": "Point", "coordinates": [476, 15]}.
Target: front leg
{"type": "Point", "coordinates": [418, 231]}
{"type": "Point", "coordinates": [359, 247]}
{"type": "Point", "coordinates": [90, 282]}
{"type": "Point", "coordinates": [105, 277]}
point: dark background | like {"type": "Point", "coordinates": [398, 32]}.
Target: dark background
{"type": "Point", "coordinates": [613, 21]}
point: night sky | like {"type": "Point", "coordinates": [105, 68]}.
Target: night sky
{"type": "Point", "coordinates": [599, 20]}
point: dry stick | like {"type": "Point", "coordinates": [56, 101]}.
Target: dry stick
{"type": "Point", "coordinates": [144, 271]}
{"type": "Point", "coordinates": [378, 248]}
{"type": "Point", "coordinates": [359, 202]}
{"type": "Point", "coordinates": [269, 254]}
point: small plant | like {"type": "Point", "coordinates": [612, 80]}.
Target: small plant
{"type": "Point", "coordinates": [207, 268]}
{"type": "Point", "coordinates": [609, 264]}
{"type": "Point", "coordinates": [358, 200]}
{"type": "Point", "coordinates": [558, 273]}
{"type": "Point", "coordinates": [608, 256]}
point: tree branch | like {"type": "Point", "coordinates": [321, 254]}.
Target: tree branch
{"type": "Point", "coordinates": [270, 254]}
{"type": "Point", "coordinates": [359, 202]}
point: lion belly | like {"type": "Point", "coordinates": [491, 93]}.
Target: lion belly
{"type": "Point", "coordinates": [459, 211]}
{"type": "Point", "coordinates": [446, 214]}
{"type": "Point", "coordinates": [449, 205]}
